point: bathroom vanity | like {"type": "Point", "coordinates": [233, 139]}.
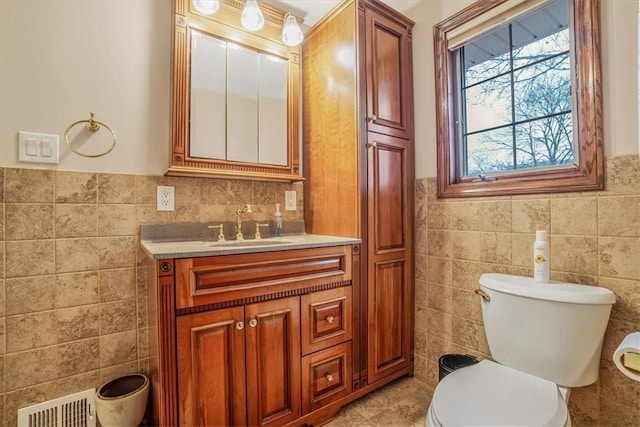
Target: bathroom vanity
{"type": "Point", "coordinates": [286, 332]}
{"type": "Point", "coordinates": [261, 332]}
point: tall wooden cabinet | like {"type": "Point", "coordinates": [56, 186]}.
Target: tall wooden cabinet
{"type": "Point", "coordinates": [359, 166]}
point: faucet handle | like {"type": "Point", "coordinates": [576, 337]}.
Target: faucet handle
{"type": "Point", "coordinates": [220, 232]}
{"type": "Point", "coordinates": [258, 225]}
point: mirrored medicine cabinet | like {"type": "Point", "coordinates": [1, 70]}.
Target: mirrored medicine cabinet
{"type": "Point", "coordinates": [235, 100]}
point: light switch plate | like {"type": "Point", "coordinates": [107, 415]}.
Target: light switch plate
{"type": "Point", "coordinates": [290, 201]}
{"type": "Point", "coordinates": [38, 147]}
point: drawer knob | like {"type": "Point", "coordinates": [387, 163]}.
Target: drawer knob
{"type": "Point", "coordinates": [330, 319]}
{"type": "Point", "coordinates": [240, 326]}
{"type": "Point", "coordinates": [329, 377]}
{"type": "Point", "coordinates": [253, 323]}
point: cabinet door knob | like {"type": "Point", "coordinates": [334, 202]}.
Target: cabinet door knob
{"type": "Point", "coordinates": [329, 377]}
{"type": "Point", "coordinates": [253, 323]}
{"type": "Point", "coordinates": [240, 326]}
{"type": "Point", "coordinates": [330, 319]}
{"type": "Point", "coordinates": [371, 144]}
{"type": "Point", "coordinates": [373, 118]}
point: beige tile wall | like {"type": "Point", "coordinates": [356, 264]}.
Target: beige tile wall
{"type": "Point", "coordinates": [72, 281]}
{"type": "Point", "coordinates": [595, 240]}
{"type": "Point", "coordinates": [72, 276]}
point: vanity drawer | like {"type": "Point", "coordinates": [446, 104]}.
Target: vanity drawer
{"type": "Point", "coordinates": [326, 376]}
{"type": "Point", "coordinates": [248, 277]}
{"type": "Point", "coordinates": [326, 319]}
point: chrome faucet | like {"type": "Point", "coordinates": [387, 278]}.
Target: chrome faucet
{"type": "Point", "coordinates": [239, 212]}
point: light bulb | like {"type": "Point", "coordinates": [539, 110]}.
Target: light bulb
{"type": "Point", "coordinates": [252, 18]}
{"type": "Point", "coordinates": [291, 32]}
{"type": "Point", "coordinates": [206, 7]}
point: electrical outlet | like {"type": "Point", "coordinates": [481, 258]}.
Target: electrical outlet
{"type": "Point", "coordinates": [166, 198]}
{"type": "Point", "coordinates": [290, 199]}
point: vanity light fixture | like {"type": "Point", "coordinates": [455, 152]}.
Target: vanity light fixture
{"type": "Point", "coordinates": [252, 18]}
{"type": "Point", "coordinates": [206, 7]}
{"type": "Point", "coordinates": [291, 31]}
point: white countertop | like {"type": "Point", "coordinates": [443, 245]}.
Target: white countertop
{"type": "Point", "coordinates": [158, 249]}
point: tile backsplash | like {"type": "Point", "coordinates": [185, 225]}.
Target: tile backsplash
{"type": "Point", "coordinates": [73, 278]}
{"type": "Point", "coordinates": [73, 281]}
{"type": "Point", "coordinates": [594, 239]}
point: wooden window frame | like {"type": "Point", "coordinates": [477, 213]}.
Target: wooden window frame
{"type": "Point", "coordinates": [586, 175]}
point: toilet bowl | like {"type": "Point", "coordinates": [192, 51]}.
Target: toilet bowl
{"type": "Point", "coordinates": [543, 338]}
{"type": "Point", "coordinates": [122, 402]}
{"type": "Point", "coordinates": [490, 394]}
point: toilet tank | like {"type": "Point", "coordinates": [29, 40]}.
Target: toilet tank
{"type": "Point", "coordinates": [553, 331]}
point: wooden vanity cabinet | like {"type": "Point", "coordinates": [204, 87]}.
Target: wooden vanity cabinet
{"type": "Point", "coordinates": [359, 167]}
{"type": "Point", "coordinates": [270, 347]}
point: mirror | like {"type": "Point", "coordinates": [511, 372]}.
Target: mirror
{"type": "Point", "coordinates": [235, 106]}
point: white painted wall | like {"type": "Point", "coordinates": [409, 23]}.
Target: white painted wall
{"type": "Point", "coordinates": [638, 40]}
{"type": "Point", "coordinates": [61, 59]}
{"type": "Point", "coordinates": [620, 81]}
{"type": "Point", "coordinates": [619, 22]}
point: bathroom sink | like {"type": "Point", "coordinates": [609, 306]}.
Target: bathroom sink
{"type": "Point", "coordinates": [246, 243]}
{"type": "Point", "coordinates": [161, 248]}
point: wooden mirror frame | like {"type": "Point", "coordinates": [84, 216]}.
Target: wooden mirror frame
{"type": "Point", "coordinates": [588, 174]}
{"type": "Point", "coordinates": [225, 24]}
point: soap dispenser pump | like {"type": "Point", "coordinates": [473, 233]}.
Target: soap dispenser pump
{"type": "Point", "coordinates": [278, 230]}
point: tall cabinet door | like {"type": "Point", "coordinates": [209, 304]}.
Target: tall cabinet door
{"type": "Point", "coordinates": [273, 361]}
{"type": "Point", "coordinates": [389, 252]}
{"type": "Point", "coordinates": [211, 368]}
{"type": "Point", "coordinates": [388, 65]}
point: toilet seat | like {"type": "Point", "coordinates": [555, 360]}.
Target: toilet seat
{"type": "Point", "coordinates": [490, 394]}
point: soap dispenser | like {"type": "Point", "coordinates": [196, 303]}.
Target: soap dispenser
{"type": "Point", "coordinates": [278, 230]}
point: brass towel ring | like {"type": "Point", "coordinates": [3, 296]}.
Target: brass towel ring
{"type": "Point", "coordinates": [93, 126]}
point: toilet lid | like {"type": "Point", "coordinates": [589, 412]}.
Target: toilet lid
{"type": "Point", "coordinates": [489, 394]}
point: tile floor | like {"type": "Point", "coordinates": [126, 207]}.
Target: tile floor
{"type": "Point", "coordinates": [402, 403]}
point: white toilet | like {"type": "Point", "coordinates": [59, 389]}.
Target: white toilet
{"type": "Point", "coordinates": [545, 338]}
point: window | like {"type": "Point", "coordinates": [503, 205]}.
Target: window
{"type": "Point", "coordinates": [519, 98]}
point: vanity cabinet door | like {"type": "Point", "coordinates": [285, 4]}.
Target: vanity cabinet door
{"type": "Point", "coordinates": [211, 368]}
{"type": "Point", "coordinates": [388, 70]}
{"type": "Point", "coordinates": [221, 384]}
{"type": "Point", "coordinates": [273, 361]}
{"type": "Point", "coordinates": [389, 252]}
